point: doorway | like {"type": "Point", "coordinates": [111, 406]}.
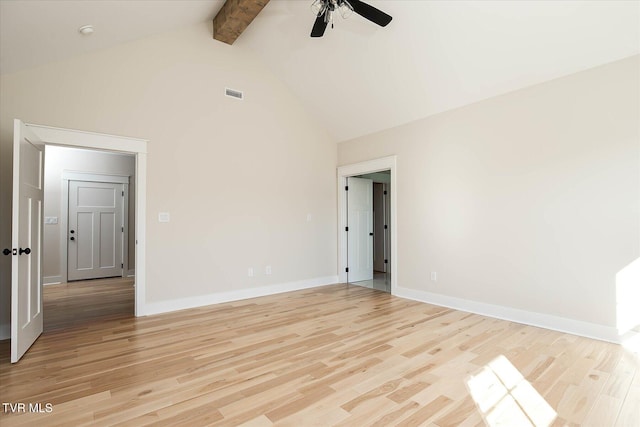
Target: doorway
{"type": "Point", "coordinates": [368, 230]}
{"type": "Point", "coordinates": [88, 249]}
{"type": "Point", "coordinates": [26, 278]}
{"type": "Point", "coordinates": [94, 190]}
{"type": "Point", "coordinates": [89, 214]}
{"type": "Point", "coordinates": [364, 243]}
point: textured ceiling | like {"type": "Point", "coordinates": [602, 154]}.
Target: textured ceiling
{"type": "Point", "coordinates": [360, 78]}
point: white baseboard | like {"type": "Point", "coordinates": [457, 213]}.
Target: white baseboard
{"type": "Point", "coordinates": [541, 320]}
{"type": "Point", "coordinates": [131, 273]}
{"type": "Point", "coordinates": [51, 280]}
{"type": "Point", "coordinates": [5, 331]}
{"type": "Point", "coordinates": [220, 297]}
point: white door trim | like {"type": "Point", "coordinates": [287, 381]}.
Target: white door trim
{"type": "Point", "coordinates": [94, 177]}
{"type": "Point", "coordinates": [64, 216]}
{"type": "Point", "coordinates": [376, 165]}
{"type": "Point", "coordinates": [138, 147]}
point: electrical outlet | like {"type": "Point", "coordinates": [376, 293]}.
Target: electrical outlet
{"type": "Point", "coordinates": [250, 272]}
{"type": "Point", "coordinates": [434, 276]}
{"type": "Point", "coordinates": [267, 269]}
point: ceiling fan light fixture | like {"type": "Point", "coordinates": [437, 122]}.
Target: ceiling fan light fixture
{"type": "Point", "coordinates": [345, 9]}
{"type": "Point", "coordinates": [318, 7]}
{"type": "Point", "coordinates": [323, 10]}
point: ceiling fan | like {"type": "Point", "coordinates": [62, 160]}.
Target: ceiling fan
{"type": "Point", "coordinates": [324, 9]}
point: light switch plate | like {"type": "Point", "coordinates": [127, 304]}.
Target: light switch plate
{"type": "Point", "coordinates": [164, 217]}
{"type": "Point", "coordinates": [50, 219]}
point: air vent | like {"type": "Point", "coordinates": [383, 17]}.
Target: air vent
{"type": "Point", "coordinates": [233, 93]}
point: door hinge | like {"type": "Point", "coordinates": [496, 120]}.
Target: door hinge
{"type": "Point", "coordinates": [122, 265]}
{"type": "Point", "coordinates": [346, 188]}
{"type": "Point", "coordinates": [385, 226]}
{"type": "Point", "coordinates": [346, 229]}
{"type": "Point", "coordinates": [385, 192]}
{"type": "Point", "coordinates": [122, 193]}
{"type": "Point", "coordinates": [386, 261]}
{"type": "Point", "coordinates": [346, 269]}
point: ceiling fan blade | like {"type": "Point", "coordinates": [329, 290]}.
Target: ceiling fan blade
{"type": "Point", "coordinates": [319, 26]}
{"type": "Point", "coordinates": [371, 13]}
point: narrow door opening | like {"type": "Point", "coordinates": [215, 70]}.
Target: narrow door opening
{"type": "Point", "coordinates": [368, 230]}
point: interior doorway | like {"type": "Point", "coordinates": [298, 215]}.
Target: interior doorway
{"type": "Point", "coordinates": [89, 214]}
{"type": "Point", "coordinates": [28, 220]}
{"type": "Point", "coordinates": [89, 202]}
{"type": "Point", "coordinates": [368, 233]}
{"type": "Point", "coordinates": [364, 243]}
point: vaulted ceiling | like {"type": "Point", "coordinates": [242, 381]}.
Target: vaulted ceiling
{"type": "Point", "coordinates": [359, 78]}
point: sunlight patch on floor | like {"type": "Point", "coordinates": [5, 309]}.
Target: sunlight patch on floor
{"type": "Point", "coordinates": [627, 297]}
{"type": "Point", "coordinates": [631, 341]}
{"type": "Point", "coordinates": [505, 398]}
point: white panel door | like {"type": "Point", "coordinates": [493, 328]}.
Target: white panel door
{"type": "Point", "coordinates": [96, 230]}
{"type": "Point", "coordinates": [360, 234]}
{"type": "Point", "coordinates": [26, 236]}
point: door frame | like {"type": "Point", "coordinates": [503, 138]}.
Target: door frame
{"type": "Point", "coordinates": [117, 144]}
{"type": "Point", "coordinates": [385, 214]}
{"type": "Point", "coordinates": [370, 166]}
{"type": "Point", "coordinates": [64, 215]}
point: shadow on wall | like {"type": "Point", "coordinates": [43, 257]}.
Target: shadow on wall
{"type": "Point", "coordinates": [628, 305]}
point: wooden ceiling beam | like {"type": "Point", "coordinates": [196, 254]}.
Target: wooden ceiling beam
{"type": "Point", "coordinates": [234, 17]}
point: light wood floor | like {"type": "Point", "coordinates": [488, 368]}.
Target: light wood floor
{"type": "Point", "coordinates": [335, 355]}
{"type": "Point", "coordinates": [82, 303]}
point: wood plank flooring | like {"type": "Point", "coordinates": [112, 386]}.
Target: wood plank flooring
{"type": "Point", "coordinates": [336, 355]}
{"type": "Point", "coordinates": [82, 303]}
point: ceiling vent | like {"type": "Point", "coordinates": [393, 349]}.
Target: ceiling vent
{"type": "Point", "coordinates": [233, 93]}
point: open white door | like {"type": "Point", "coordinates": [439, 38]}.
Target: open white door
{"type": "Point", "coordinates": [360, 229]}
{"type": "Point", "coordinates": [26, 236]}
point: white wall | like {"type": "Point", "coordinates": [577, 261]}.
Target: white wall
{"type": "Point", "coordinates": [59, 159]}
{"type": "Point", "coordinates": [527, 204]}
{"type": "Point", "coordinates": [237, 177]}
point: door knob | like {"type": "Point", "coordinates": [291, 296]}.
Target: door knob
{"type": "Point", "coordinates": [72, 231]}
{"type": "Point", "coordinates": [72, 238]}
{"type": "Point", "coordinates": [370, 234]}
{"type": "Point", "coordinates": [6, 251]}
{"type": "Point", "coordinates": [25, 251]}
